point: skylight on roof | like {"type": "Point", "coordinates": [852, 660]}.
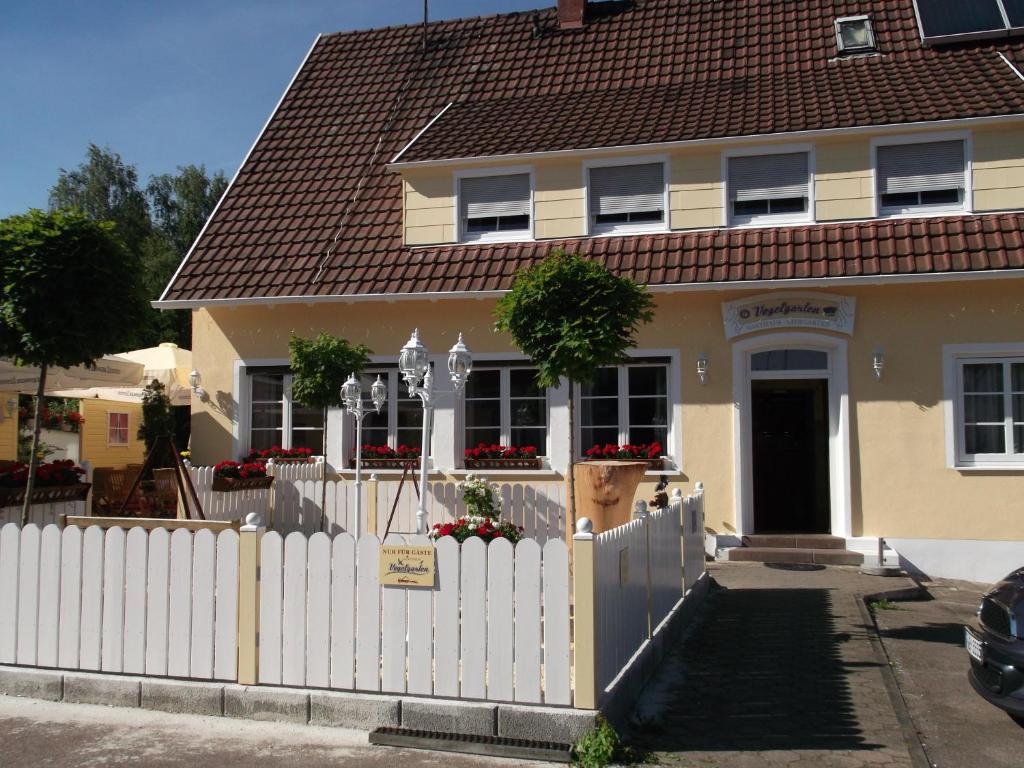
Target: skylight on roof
{"type": "Point", "coordinates": [855, 35]}
{"type": "Point", "coordinates": [949, 21]}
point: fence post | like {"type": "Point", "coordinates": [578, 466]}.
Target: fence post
{"type": "Point", "coordinates": [249, 599]}
{"type": "Point", "coordinates": [584, 590]}
{"type": "Point", "coordinates": [371, 505]}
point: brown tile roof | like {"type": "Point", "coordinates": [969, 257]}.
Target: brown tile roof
{"type": "Point", "coordinates": [315, 211]}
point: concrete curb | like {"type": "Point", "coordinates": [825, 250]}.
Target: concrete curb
{"type": "Point", "coordinates": [343, 709]}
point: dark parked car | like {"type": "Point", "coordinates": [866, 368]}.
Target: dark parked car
{"type": "Point", "coordinates": [995, 643]}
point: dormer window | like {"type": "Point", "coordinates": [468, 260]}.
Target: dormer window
{"type": "Point", "coordinates": [921, 177]}
{"type": "Point", "coordinates": [769, 188]}
{"type": "Point", "coordinates": [627, 198]}
{"type": "Point", "coordinates": [494, 207]}
{"type": "Point", "coordinates": [855, 35]}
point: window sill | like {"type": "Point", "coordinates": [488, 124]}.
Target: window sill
{"type": "Point", "coordinates": [522, 236]}
{"type": "Point", "coordinates": [770, 221]}
{"type": "Point", "coordinates": [920, 212]}
{"type": "Point", "coordinates": [989, 467]}
{"type": "Point", "coordinates": [432, 474]}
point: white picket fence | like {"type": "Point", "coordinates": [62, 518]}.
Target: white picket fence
{"type": "Point", "coordinates": [293, 503]}
{"type": "Point", "coordinates": [496, 626]}
{"type": "Point", "coordinates": [140, 602]}
{"type": "Point", "coordinates": [43, 514]}
{"type": "Point", "coordinates": [639, 574]}
{"type": "Point", "coordinates": [693, 537]}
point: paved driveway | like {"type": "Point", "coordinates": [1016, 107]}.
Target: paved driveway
{"type": "Point", "coordinates": [779, 670]}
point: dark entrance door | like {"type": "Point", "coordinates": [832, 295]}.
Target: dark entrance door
{"type": "Point", "coordinates": [790, 455]}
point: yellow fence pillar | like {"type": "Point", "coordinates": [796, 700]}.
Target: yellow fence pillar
{"type": "Point", "coordinates": [249, 599]}
{"type": "Point", "coordinates": [584, 590]}
{"type": "Point", "coordinates": [371, 505]}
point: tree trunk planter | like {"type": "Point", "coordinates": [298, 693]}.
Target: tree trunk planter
{"type": "Point", "coordinates": [232, 484]}
{"type": "Point", "coordinates": [12, 497]}
{"type": "Point", "coordinates": [605, 491]}
{"type": "Point", "coordinates": [386, 463]}
{"type": "Point", "coordinates": [503, 464]}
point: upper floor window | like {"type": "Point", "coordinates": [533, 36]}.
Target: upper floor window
{"type": "Point", "coordinates": [505, 406]}
{"type": "Point", "coordinates": [626, 405]}
{"type": "Point", "coordinates": [766, 189]}
{"type": "Point", "coordinates": [274, 419]}
{"type": "Point", "coordinates": [494, 207]}
{"type": "Point", "coordinates": [626, 198]}
{"type": "Point", "coordinates": [923, 176]}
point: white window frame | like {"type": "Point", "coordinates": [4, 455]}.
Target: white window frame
{"type": "Point", "coordinates": [871, 48]}
{"type": "Point", "coordinates": [807, 217]}
{"type": "Point", "coordinates": [954, 356]}
{"type": "Point", "coordinates": [605, 230]}
{"type": "Point", "coordinates": [505, 396]}
{"type": "Point", "coordinates": [510, 236]}
{"type": "Point", "coordinates": [919, 211]}
{"type": "Point", "coordinates": [393, 378]}
{"type": "Point", "coordinates": [286, 406]}
{"type": "Point", "coordinates": [127, 429]}
{"type": "Point", "coordinates": [670, 449]}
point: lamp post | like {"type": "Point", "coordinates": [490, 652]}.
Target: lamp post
{"type": "Point", "coordinates": [352, 396]}
{"type": "Point", "coordinates": [414, 364]}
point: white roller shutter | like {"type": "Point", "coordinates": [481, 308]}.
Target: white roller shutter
{"type": "Point", "coordinates": [933, 166]}
{"type": "Point", "coordinates": [768, 177]}
{"type": "Point", "coordinates": [485, 196]}
{"type": "Point", "coordinates": [627, 189]}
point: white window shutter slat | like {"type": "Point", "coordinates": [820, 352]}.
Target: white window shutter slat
{"type": "Point", "coordinates": [768, 177]}
{"type": "Point", "coordinates": [935, 165]}
{"type": "Point", "coordinates": [627, 189]}
{"type": "Point", "coordinates": [486, 196]}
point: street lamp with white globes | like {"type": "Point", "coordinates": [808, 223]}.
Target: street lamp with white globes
{"type": "Point", "coordinates": [414, 363]}
{"type": "Point", "coordinates": [352, 396]}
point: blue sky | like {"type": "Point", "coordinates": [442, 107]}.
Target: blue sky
{"type": "Point", "coordinates": [163, 82]}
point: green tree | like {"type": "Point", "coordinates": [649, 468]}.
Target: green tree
{"type": "Point", "coordinates": [571, 317]}
{"type": "Point", "coordinates": [319, 367]}
{"type": "Point", "coordinates": [157, 418]}
{"type": "Point", "coordinates": [69, 294]}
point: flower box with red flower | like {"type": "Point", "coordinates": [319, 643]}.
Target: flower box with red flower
{"type": "Point", "coordinates": [502, 457]}
{"type": "Point", "coordinates": [470, 526]}
{"type": "Point", "coordinates": [229, 476]}
{"type": "Point", "coordinates": [651, 453]}
{"type": "Point", "coordinates": [56, 481]}
{"type": "Point", "coordinates": [386, 457]}
{"type": "Point", "coordinates": [280, 455]}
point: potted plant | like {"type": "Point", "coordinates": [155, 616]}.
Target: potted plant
{"type": "Point", "coordinates": [482, 518]}
{"type": "Point", "coordinates": [651, 453]}
{"type": "Point", "coordinates": [229, 476]}
{"type": "Point", "coordinates": [386, 457]}
{"type": "Point", "coordinates": [54, 482]}
{"type": "Point", "coordinates": [280, 455]}
{"type": "Point", "coordinates": [502, 457]}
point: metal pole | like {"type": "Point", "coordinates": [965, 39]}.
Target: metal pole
{"type": "Point", "coordinates": [426, 395]}
{"type": "Point", "coordinates": [359, 472]}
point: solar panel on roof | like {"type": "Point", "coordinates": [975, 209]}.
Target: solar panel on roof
{"type": "Point", "coordinates": [951, 20]}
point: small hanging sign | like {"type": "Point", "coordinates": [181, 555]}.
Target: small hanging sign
{"type": "Point", "coordinates": [824, 311]}
{"type": "Point", "coordinates": [402, 566]}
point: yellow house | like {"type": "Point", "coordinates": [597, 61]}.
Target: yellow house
{"type": "Point", "coordinates": [826, 207]}
{"type": "Point", "coordinates": [108, 437]}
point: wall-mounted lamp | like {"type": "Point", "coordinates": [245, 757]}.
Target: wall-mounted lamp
{"type": "Point", "coordinates": [878, 364]}
{"type": "Point", "coordinates": [194, 381]}
{"type": "Point", "coordinates": [702, 368]}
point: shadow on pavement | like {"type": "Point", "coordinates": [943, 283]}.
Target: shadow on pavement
{"type": "Point", "coordinates": [951, 633]}
{"type": "Point", "coordinates": [761, 670]}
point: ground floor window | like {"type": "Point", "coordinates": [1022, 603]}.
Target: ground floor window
{"type": "Point", "coordinates": [275, 419]}
{"type": "Point", "coordinates": [400, 421]}
{"type": "Point", "coordinates": [990, 409]}
{"type": "Point", "coordinates": [117, 428]}
{"type": "Point", "coordinates": [627, 404]}
{"type": "Point", "coordinates": [505, 406]}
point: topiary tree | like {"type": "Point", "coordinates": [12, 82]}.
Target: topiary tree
{"type": "Point", "coordinates": [69, 293]}
{"type": "Point", "coordinates": [319, 367]}
{"type": "Point", "coordinates": [157, 418]}
{"type": "Point", "coordinates": [572, 317]}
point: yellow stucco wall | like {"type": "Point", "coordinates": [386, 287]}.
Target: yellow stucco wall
{"type": "Point", "coordinates": [843, 184]}
{"type": "Point", "coordinates": [94, 434]}
{"type": "Point", "coordinates": [8, 429]}
{"type": "Point", "coordinates": [901, 485]}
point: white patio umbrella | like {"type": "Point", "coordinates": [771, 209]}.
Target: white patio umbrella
{"type": "Point", "coordinates": [167, 363]}
{"type": "Point", "coordinates": [110, 371]}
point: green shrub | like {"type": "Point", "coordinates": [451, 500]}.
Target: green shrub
{"type": "Point", "coordinates": [599, 747]}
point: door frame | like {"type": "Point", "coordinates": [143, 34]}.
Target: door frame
{"type": "Point", "coordinates": [838, 421]}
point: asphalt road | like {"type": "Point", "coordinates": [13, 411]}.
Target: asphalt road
{"type": "Point", "coordinates": [37, 734]}
{"type": "Point", "coordinates": [925, 643]}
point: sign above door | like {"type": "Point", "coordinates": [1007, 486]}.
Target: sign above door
{"type": "Point", "coordinates": [823, 311]}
